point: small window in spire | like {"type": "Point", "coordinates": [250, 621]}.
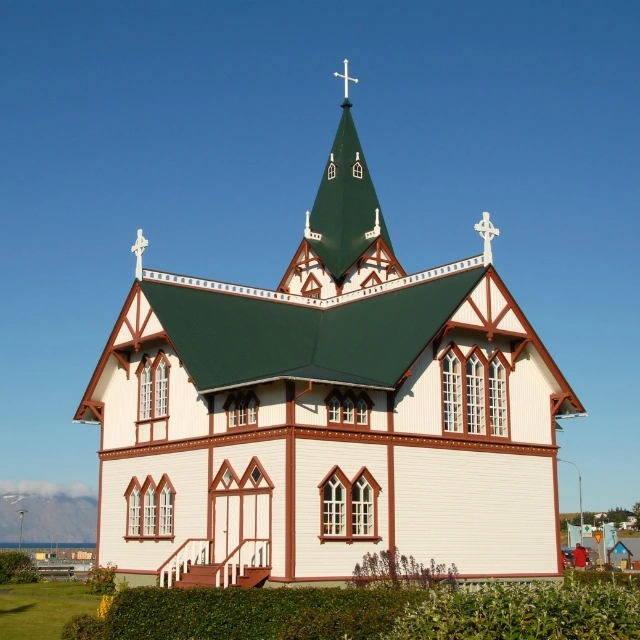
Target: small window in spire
{"type": "Point", "coordinates": [357, 170]}
{"type": "Point", "coordinates": [331, 171]}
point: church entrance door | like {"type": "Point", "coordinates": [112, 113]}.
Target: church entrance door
{"type": "Point", "coordinates": [226, 525]}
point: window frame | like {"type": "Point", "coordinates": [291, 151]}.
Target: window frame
{"type": "Point", "coordinates": [358, 170]}
{"type": "Point", "coordinates": [475, 352]}
{"type": "Point", "coordinates": [332, 171]}
{"type": "Point", "coordinates": [156, 491]}
{"type": "Point", "coordinates": [312, 288]}
{"type": "Point", "coordinates": [236, 404]}
{"type": "Point", "coordinates": [350, 537]}
{"type": "Point", "coordinates": [341, 398]}
{"type": "Point", "coordinates": [147, 363]}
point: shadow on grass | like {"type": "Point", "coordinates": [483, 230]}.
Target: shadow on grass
{"type": "Point", "coordinates": [24, 607]}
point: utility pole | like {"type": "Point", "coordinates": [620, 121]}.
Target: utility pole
{"type": "Point", "coordinates": [580, 489]}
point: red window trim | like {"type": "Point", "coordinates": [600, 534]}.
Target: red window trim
{"type": "Point", "coordinates": [237, 399]}
{"type": "Point", "coordinates": [350, 538]}
{"type": "Point", "coordinates": [486, 361]}
{"type": "Point", "coordinates": [157, 489]}
{"type": "Point", "coordinates": [311, 288]}
{"type": "Point", "coordinates": [341, 397]}
{"type": "Point", "coordinates": [160, 357]}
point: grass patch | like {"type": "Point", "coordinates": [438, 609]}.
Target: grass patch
{"type": "Point", "coordinates": [39, 611]}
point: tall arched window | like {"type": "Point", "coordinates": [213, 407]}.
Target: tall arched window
{"type": "Point", "coordinates": [452, 387]}
{"type": "Point", "coordinates": [362, 508]}
{"type": "Point", "coordinates": [232, 414]}
{"type": "Point", "coordinates": [363, 412]}
{"type": "Point", "coordinates": [475, 395]}
{"type": "Point", "coordinates": [166, 511]}
{"type": "Point", "coordinates": [150, 511]}
{"type": "Point", "coordinates": [134, 512]}
{"type": "Point", "coordinates": [162, 389]}
{"type": "Point", "coordinates": [334, 507]}
{"type": "Point", "coordinates": [242, 413]}
{"type": "Point", "coordinates": [498, 398]}
{"type": "Point", "coordinates": [146, 382]}
{"type": "Point", "coordinates": [252, 410]}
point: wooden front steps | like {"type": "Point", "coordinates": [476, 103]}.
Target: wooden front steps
{"type": "Point", "coordinates": [205, 576]}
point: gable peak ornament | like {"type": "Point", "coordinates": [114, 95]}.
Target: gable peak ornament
{"type": "Point", "coordinates": [138, 248]}
{"type": "Point", "coordinates": [347, 79]}
{"type": "Point", "coordinates": [487, 232]}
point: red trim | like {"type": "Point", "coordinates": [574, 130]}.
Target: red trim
{"type": "Point", "coordinates": [290, 483]}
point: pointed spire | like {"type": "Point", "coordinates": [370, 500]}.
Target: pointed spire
{"type": "Point", "coordinates": [343, 210]}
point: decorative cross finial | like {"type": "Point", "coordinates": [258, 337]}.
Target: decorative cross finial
{"type": "Point", "coordinates": [347, 79]}
{"type": "Point", "coordinates": [138, 248]}
{"type": "Point", "coordinates": [486, 230]}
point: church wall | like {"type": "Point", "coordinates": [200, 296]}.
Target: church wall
{"type": "Point", "coordinates": [417, 407]}
{"type": "Point", "coordinates": [488, 513]}
{"type": "Point", "coordinates": [272, 457]}
{"type": "Point", "coordinates": [314, 460]}
{"type": "Point", "coordinates": [187, 471]}
{"type": "Point", "coordinates": [354, 280]}
{"type": "Point", "coordinates": [120, 409]}
{"type": "Point", "coordinates": [328, 287]}
{"type": "Point", "coordinates": [311, 408]}
{"type": "Point", "coordinates": [379, 420]}
{"type": "Point", "coordinates": [272, 409]}
{"type": "Point", "coordinates": [530, 403]}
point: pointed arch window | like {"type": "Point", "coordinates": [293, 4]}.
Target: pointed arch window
{"type": "Point", "coordinates": [331, 171]}
{"type": "Point", "coordinates": [153, 379]}
{"type": "Point", "coordinates": [133, 498]}
{"type": "Point", "coordinates": [335, 507]}
{"type": "Point", "coordinates": [363, 412]}
{"type": "Point", "coordinates": [242, 410]}
{"type": "Point", "coordinates": [162, 389]}
{"type": "Point", "coordinates": [347, 409]}
{"type": "Point", "coordinates": [452, 391]}
{"type": "Point", "coordinates": [334, 409]}
{"type": "Point", "coordinates": [349, 508]}
{"type": "Point", "coordinates": [166, 511]}
{"type": "Point", "coordinates": [498, 411]}
{"type": "Point", "coordinates": [146, 385]}
{"type": "Point", "coordinates": [475, 395]}
{"type": "Point", "coordinates": [150, 511]}
{"type": "Point", "coordinates": [357, 170]}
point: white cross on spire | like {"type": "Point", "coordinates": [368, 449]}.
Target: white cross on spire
{"type": "Point", "coordinates": [347, 79]}
{"type": "Point", "coordinates": [486, 230]}
{"type": "Point", "coordinates": [138, 248]}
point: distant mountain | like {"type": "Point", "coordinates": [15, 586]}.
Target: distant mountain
{"type": "Point", "coordinates": [49, 518]}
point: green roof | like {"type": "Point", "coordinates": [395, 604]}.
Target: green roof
{"type": "Point", "coordinates": [226, 340]}
{"type": "Point", "coordinates": [344, 209]}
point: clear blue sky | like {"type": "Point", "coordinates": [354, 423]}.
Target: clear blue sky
{"type": "Point", "coordinates": [208, 124]}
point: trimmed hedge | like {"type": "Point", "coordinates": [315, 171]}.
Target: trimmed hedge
{"type": "Point", "coordinates": [17, 567]}
{"type": "Point", "coordinates": [152, 613]}
{"type": "Point", "coordinates": [596, 577]}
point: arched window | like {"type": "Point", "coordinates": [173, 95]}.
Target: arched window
{"type": "Point", "coordinates": [357, 170]}
{"type": "Point", "coordinates": [452, 387]}
{"type": "Point", "coordinates": [498, 398]}
{"type": "Point", "coordinates": [334, 409]}
{"type": "Point", "coordinates": [146, 381]}
{"type": "Point", "coordinates": [242, 413]}
{"type": "Point", "coordinates": [331, 171]}
{"type": "Point", "coordinates": [231, 411]}
{"type": "Point", "coordinates": [253, 411]}
{"type": "Point", "coordinates": [363, 412]}
{"type": "Point", "coordinates": [348, 416]}
{"type": "Point", "coordinates": [150, 511]}
{"type": "Point", "coordinates": [166, 511]}
{"type": "Point", "coordinates": [334, 507]}
{"type": "Point", "coordinates": [475, 395]}
{"type": "Point", "coordinates": [134, 512]}
{"type": "Point", "coordinates": [362, 508]}
{"type": "Point", "coordinates": [162, 389]}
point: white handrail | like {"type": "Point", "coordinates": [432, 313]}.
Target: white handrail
{"type": "Point", "coordinates": [191, 551]}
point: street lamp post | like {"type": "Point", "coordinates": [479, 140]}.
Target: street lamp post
{"type": "Point", "coordinates": [21, 512]}
{"type": "Point", "coordinates": [580, 489]}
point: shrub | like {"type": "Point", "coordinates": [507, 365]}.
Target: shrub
{"type": "Point", "coordinates": [84, 627]}
{"type": "Point", "coordinates": [539, 610]}
{"type": "Point", "coordinates": [256, 614]}
{"type": "Point", "coordinates": [631, 580]}
{"type": "Point", "coordinates": [102, 580]}
{"type": "Point", "coordinates": [391, 569]}
{"type": "Point", "coordinates": [18, 568]}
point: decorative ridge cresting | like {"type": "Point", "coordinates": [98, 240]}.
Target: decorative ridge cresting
{"type": "Point", "coordinates": [287, 298]}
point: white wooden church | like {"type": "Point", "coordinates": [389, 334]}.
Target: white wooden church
{"type": "Point", "coordinates": [250, 434]}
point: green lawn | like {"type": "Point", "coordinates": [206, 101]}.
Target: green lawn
{"type": "Point", "coordinates": [39, 611]}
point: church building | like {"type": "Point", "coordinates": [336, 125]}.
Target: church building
{"type": "Point", "coordinates": [252, 436]}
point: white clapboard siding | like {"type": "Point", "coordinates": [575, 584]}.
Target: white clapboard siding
{"type": "Point", "coordinates": [273, 409]}
{"type": "Point", "coordinates": [511, 323]}
{"type": "Point", "coordinates": [488, 513]}
{"type": "Point", "coordinates": [417, 407]}
{"type": "Point", "coordinates": [187, 471]}
{"type": "Point", "coordinates": [529, 392]}
{"type": "Point", "coordinates": [379, 411]}
{"type": "Point", "coordinates": [498, 303]}
{"type": "Point", "coordinates": [152, 327]}
{"type": "Point", "coordinates": [479, 296]}
{"type": "Point", "coordinates": [124, 335]}
{"type": "Point", "coordinates": [467, 315]}
{"type": "Point", "coordinates": [296, 283]}
{"type": "Point", "coordinates": [313, 461]}
{"type": "Point", "coordinates": [272, 458]}
{"type": "Point", "coordinates": [120, 406]}
{"type": "Point", "coordinates": [189, 415]}
{"type": "Point", "coordinates": [311, 408]}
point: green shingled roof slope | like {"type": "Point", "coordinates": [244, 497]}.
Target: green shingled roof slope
{"type": "Point", "coordinates": [345, 206]}
{"type": "Point", "coordinates": [226, 340]}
